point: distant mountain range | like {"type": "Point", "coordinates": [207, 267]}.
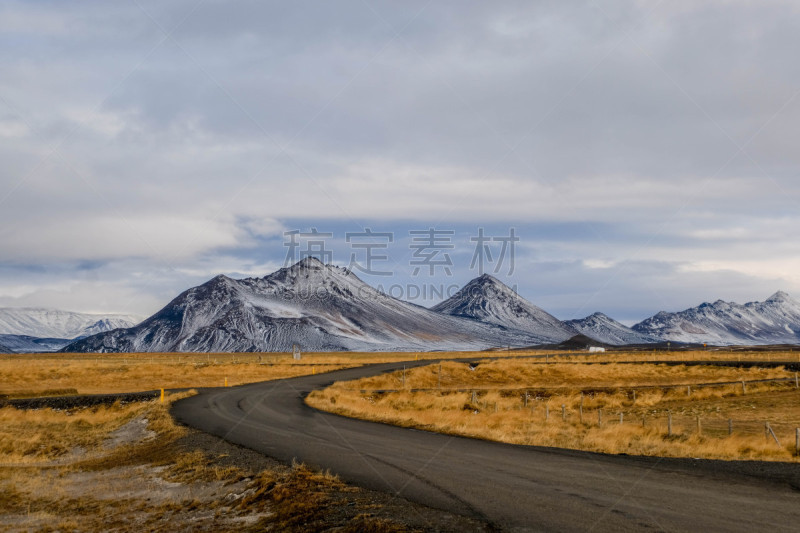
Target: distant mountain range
{"type": "Point", "coordinates": [774, 321]}
{"type": "Point", "coordinates": [38, 322]}
{"type": "Point", "coordinates": [608, 331]}
{"type": "Point", "coordinates": [316, 306]}
{"type": "Point", "coordinates": [30, 344]}
{"type": "Point", "coordinates": [323, 307]}
{"type": "Point", "coordinates": [33, 329]}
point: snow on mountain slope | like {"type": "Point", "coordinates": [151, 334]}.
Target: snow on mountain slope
{"type": "Point", "coordinates": [52, 323]}
{"type": "Point", "coordinates": [608, 331]}
{"type": "Point", "coordinates": [773, 321]}
{"type": "Point", "coordinates": [486, 299]}
{"type": "Point", "coordinates": [28, 344]}
{"type": "Point", "coordinates": [318, 307]}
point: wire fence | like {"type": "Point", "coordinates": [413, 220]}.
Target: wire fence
{"type": "Point", "coordinates": [584, 407]}
{"type": "Point", "coordinates": [538, 391]}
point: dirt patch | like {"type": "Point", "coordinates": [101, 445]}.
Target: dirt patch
{"type": "Point", "coordinates": [134, 431]}
{"type": "Point", "coordinates": [79, 401]}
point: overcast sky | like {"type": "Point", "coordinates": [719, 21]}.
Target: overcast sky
{"type": "Point", "coordinates": [645, 153]}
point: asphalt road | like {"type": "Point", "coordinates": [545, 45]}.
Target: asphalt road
{"type": "Point", "coordinates": [513, 488]}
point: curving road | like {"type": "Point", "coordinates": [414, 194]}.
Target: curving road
{"type": "Point", "coordinates": [513, 488]}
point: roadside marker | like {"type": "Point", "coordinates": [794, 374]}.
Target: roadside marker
{"type": "Point", "coordinates": [162, 395]}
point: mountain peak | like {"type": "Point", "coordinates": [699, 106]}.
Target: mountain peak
{"type": "Point", "coordinates": [485, 283]}
{"type": "Point", "coordinates": [605, 329]}
{"type": "Point", "coordinates": [779, 296]}
{"type": "Point", "coordinates": [309, 262]}
{"type": "Point", "coordinates": [488, 299]}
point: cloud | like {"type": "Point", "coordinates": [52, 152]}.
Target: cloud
{"type": "Point", "coordinates": [184, 136]}
{"type": "Point", "coordinates": [161, 237]}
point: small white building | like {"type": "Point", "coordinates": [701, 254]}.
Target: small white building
{"type": "Point", "coordinates": [596, 349]}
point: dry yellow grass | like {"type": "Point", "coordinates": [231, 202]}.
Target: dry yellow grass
{"type": "Point", "coordinates": [46, 434]}
{"type": "Point", "coordinates": [58, 374]}
{"type": "Point", "coordinates": [55, 374]}
{"type": "Point", "coordinates": [499, 409]}
{"type": "Point", "coordinates": [515, 373]}
{"type": "Point", "coordinates": [651, 355]}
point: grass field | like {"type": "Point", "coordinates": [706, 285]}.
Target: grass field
{"type": "Point", "coordinates": [574, 405]}
{"type": "Point", "coordinates": [57, 374]}
{"type": "Point", "coordinates": [644, 355]}
{"type": "Point", "coordinates": [61, 374]}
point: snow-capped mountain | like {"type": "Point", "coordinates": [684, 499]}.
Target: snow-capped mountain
{"type": "Point", "coordinates": [28, 344]}
{"type": "Point", "coordinates": [52, 323]}
{"type": "Point", "coordinates": [316, 306]}
{"type": "Point", "coordinates": [488, 300]}
{"type": "Point", "coordinates": [773, 321]}
{"type": "Point", "coordinates": [608, 331]}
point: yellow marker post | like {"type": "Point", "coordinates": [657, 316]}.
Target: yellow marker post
{"type": "Point", "coordinates": [313, 370]}
{"type": "Point", "coordinates": [162, 395]}
{"type": "Point", "coordinates": [226, 382]}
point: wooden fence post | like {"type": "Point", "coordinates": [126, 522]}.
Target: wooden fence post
{"type": "Point", "coordinates": [669, 423]}
{"type": "Point", "coordinates": [797, 441]}
{"type": "Point", "coordinates": [526, 398]}
{"type": "Point", "coordinates": [634, 395]}
{"type": "Point", "coordinates": [546, 412]}
{"type": "Point", "coordinates": [688, 390]}
{"type": "Point", "coordinates": [730, 426]}
{"type": "Point", "coordinates": [599, 416]}
{"type": "Point", "coordinates": [621, 418]}
{"type": "Point", "coordinates": [699, 427]}
{"type": "Point", "coordinates": [580, 409]}
{"type": "Point", "coordinates": [744, 388]}
{"type": "Point", "coordinates": [772, 433]}
{"type": "Point", "coordinates": [563, 412]}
